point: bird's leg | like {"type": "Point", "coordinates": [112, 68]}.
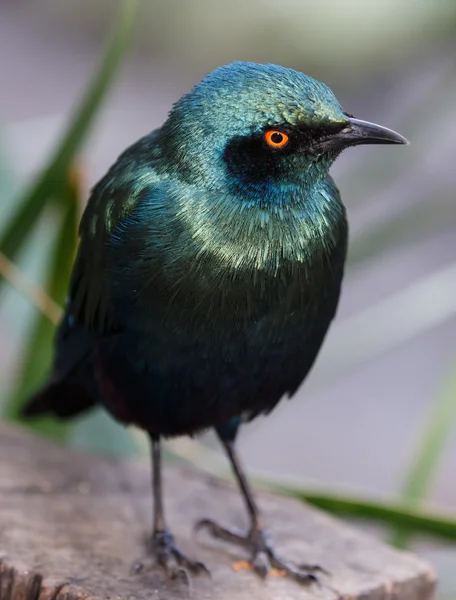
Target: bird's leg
{"type": "Point", "coordinates": [164, 551]}
{"type": "Point", "coordinates": [263, 556]}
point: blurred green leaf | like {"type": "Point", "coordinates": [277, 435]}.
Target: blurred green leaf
{"type": "Point", "coordinates": [438, 428]}
{"type": "Point", "coordinates": [50, 183]}
{"type": "Point", "coordinates": [38, 355]}
{"type": "Point", "coordinates": [388, 513]}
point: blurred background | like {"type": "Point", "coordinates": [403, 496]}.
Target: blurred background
{"type": "Point", "coordinates": [386, 375]}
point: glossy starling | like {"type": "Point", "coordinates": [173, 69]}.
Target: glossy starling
{"type": "Point", "coordinates": [209, 269]}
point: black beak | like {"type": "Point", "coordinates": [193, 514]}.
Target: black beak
{"type": "Point", "coordinates": [361, 132]}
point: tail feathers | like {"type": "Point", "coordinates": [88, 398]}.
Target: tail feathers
{"type": "Point", "coordinates": [64, 399]}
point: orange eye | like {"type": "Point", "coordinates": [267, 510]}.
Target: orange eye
{"type": "Point", "coordinates": [276, 139]}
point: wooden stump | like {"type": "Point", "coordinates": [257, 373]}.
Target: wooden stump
{"type": "Point", "coordinates": [72, 526]}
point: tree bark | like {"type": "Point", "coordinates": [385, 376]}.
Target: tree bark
{"type": "Point", "coordinates": [72, 526]}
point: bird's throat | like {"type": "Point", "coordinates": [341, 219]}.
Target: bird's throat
{"type": "Point", "coordinates": [287, 225]}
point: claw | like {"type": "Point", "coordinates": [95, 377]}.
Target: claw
{"type": "Point", "coordinates": [313, 568]}
{"type": "Point", "coordinates": [181, 573]}
{"type": "Point", "coordinates": [301, 575]}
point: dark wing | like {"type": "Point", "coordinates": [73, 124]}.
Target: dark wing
{"type": "Point", "coordinates": [112, 201]}
{"type": "Point", "coordinates": [89, 316]}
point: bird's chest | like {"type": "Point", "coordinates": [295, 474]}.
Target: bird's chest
{"type": "Point", "coordinates": [211, 308]}
{"type": "Point", "coordinates": [236, 353]}
{"type": "Point", "coordinates": [215, 280]}
{"type": "Point", "coordinates": [233, 328]}
{"type": "Point", "coordinates": [236, 269]}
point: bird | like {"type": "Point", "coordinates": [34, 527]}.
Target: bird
{"type": "Point", "coordinates": [209, 268]}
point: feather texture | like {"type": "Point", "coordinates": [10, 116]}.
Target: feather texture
{"type": "Point", "coordinates": [210, 265]}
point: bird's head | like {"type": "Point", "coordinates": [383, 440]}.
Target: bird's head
{"type": "Point", "coordinates": [250, 124]}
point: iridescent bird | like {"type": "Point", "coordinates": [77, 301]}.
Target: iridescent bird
{"type": "Point", "coordinates": [209, 269]}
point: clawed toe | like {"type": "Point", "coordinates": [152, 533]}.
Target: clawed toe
{"type": "Point", "coordinates": [263, 560]}
{"type": "Point", "coordinates": [304, 575]}
{"type": "Point", "coordinates": [221, 533]}
{"type": "Point", "coordinates": [174, 562]}
{"type": "Point", "coordinates": [182, 563]}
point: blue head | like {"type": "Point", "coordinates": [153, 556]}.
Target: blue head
{"type": "Point", "coordinates": [250, 126]}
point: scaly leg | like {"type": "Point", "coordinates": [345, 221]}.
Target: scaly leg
{"type": "Point", "coordinates": [163, 549]}
{"type": "Point", "coordinates": [258, 541]}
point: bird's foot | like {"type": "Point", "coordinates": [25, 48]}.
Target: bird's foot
{"type": "Point", "coordinates": [174, 562]}
{"type": "Point", "coordinates": [264, 559]}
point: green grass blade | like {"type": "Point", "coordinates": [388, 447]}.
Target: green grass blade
{"type": "Point", "coordinates": [38, 356]}
{"type": "Point", "coordinates": [52, 180]}
{"type": "Point", "coordinates": [438, 429]}
{"type": "Point", "coordinates": [408, 518]}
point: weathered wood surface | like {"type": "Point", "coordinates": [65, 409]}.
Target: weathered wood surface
{"type": "Point", "coordinates": [72, 525]}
